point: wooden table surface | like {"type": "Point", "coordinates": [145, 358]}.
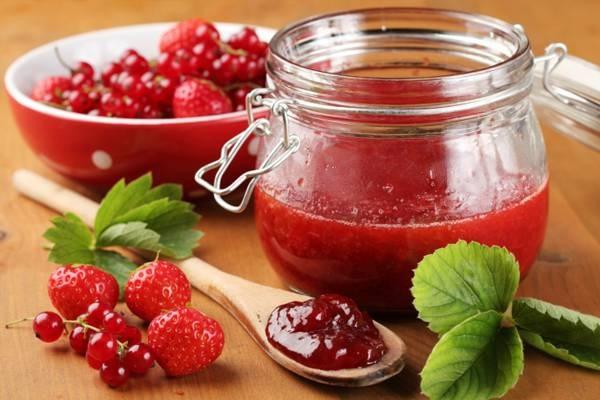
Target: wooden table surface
{"type": "Point", "coordinates": [567, 271]}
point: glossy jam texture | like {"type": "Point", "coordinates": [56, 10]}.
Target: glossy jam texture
{"type": "Point", "coordinates": [328, 332]}
{"type": "Point", "coordinates": [319, 252]}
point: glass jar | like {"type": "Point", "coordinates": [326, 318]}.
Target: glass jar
{"type": "Point", "coordinates": [394, 132]}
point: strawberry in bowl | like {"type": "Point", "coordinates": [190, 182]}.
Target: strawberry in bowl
{"type": "Point", "coordinates": [157, 97]}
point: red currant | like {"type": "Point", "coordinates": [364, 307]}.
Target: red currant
{"type": "Point", "coordinates": [79, 101]}
{"type": "Point", "coordinates": [114, 373]}
{"type": "Point", "coordinates": [206, 52]}
{"type": "Point", "coordinates": [96, 312]}
{"type": "Point", "coordinates": [80, 80]}
{"type": "Point", "coordinates": [135, 64]}
{"type": "Point", "coordinates": [110, 72]}
{"type": "Point", "coordinates": [102, 346]}
{"type": "Point", "coordinates": [168, 65]}
{"type": "Point", "coordinates": [131, 85]}
{"type": "Point", "coordinates": [247, 40]}
{"type": "Point", "coordinates": [85, 69]}
{"type": "Point", "coordinates": [78, 339]}
{"type": "Point", "coordinates": [207, 32]}
{"type": "Point", "coordinates": [161, 90]}
{"type": "Point", "coordinates": [92, 362]}
{"type": "Point", "coordinates": [114, 323]}
{"type": "Point", "coordinates": [247, 69]}
{"type": "Point", "coordinates": [224, 69]}
{"type": "Point", "coordinates": [127, 53]}
{"type": "Point", "coordinates": [48, 326]}
{"type": "Point", "coordinates": [130, 335]}
{"type": "Point", "coordinates": [238, 97]}
{"type": "Point", "coordinates": [139, 359]}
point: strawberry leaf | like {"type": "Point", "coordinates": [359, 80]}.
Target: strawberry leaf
{"type": "Point", "coordinates": [461, 280]}
{"type": "Point", "coordinates": [72, 241]}
{"type": "Point", "coordinates": [565, 334]}
{"type": "Point", "coordinates": [477, 359]}
{"type": "Point", "coordinates": [131, 234]}
{"type": "Point", "coordinates": [117, 265]}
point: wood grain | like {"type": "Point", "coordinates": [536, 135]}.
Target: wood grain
{"type": "Point", "coordinates": [567, 271]}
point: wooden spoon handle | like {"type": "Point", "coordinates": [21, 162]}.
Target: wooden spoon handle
{"type": "Point", "coordinates": [201, 275]}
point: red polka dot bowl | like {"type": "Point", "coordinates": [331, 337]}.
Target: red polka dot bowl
{"type": "Point", "coordinates": [98, 151]}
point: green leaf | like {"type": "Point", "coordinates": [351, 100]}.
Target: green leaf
{"type": "Point", "coordinates": [171, 220]}
{"type": "Point", "coordinates": [477, 359]}
{"type": "Point", "coordinates": [72, 240]}
{"type": "Point", "coordinates": [461, 280]}
{"type": "Point", "coordinates": [131, 234]}
{"type": "Point", "coordinates": [116, 264]}
{"type": "Point", "coordinates": [565, 334]}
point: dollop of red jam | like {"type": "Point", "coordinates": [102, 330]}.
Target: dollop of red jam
{"type": "Point", "coordinates": [328, 332]}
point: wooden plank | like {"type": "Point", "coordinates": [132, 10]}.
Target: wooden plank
{"type": "Point", "coordinates": [566, 272]}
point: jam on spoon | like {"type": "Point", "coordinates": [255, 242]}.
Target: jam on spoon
{"type": "Point", "coordinates": [328, 332]}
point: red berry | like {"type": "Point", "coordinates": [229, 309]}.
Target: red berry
{"type": "Point", "coordinates": [79, 101]}
{"type": "Point", "coordinates": [73, 288]}
{"type": "Point", "coordinates": [130, 335]}
{"type": "Point", "coordinates": [114, 323]}
{"type": "Point", "coordinates": [150, 111]}
{"type": "Point", "coordinates": [168, 65]}
{"type": "Point", "coordinates": [139, 359]}
{"type": "Point", "coordinates": [206, 52]}
{"type": "Point", "coordinates": [186, 34]}
{"type": "Point", "coordinates": [135, 64]}
{"type": "Point", "coordinates": [78, 339]}
{"type": "Point", "coordinates": [127, 53]}
{"type": "Point", "coordinates": [238, 97]}
{"type": "Point", "coordinates": [114, 373]}
{"type": "Point", "coordinates": [196, 97]}
{"type": "Point", "coordinates": [84, 68]}
{"type": "Point", "coordinates": [160, 90]}
{"type": "Point", "coordinates": [155, 287]}
{"type": "Point", "coordinates": [185, 340]}
{"type": "Point", "coordinates": [80, 80]}
{"type": "Point", "coordinates": [96, 312]}
{"type": "Point", "coordinates": [102, 346]}
{"type": "Point", "coordinates": [247, 40]}
{"type": "Point", "coordinates": [248, 69]}
{"type": "Point", "coordinates": [48, 326]}
{"type": "Point", "coordinates": [111, 104]}
{"type": "Point", "coordinates": [51, 89]}
{"type": "Point", "coordinates": [224, 69]}
{"type": "Point", "coordinates": [110, 72]}
{"type": "Point", "coordinates": [131, 85]}
{"type": "Point", "coordinates": [92, 362]}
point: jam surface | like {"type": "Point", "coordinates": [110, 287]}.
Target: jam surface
{"type": "Point", "coordinates": [328, 332]}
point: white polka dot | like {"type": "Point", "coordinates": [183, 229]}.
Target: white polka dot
{"type": "Point", "coordinates": [102, 160]}
{"type": "Point", "coordinates": [253, 146]}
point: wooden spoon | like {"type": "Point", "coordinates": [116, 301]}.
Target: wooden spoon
{"type": "Point", "coordinates": [250, 303]}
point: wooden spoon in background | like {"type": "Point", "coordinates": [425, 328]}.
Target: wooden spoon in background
{"type": "Point", "coordinates": [250, 303]}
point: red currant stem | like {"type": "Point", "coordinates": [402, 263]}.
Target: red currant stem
{"type": "Point", "coordinates": [18, 321]}
{"type": "Point", "coordinates": [62, 61]}
{"type": "Point", "coordinates": [225, 48]}
{"type": "Point", "coordinates": [82, 323]}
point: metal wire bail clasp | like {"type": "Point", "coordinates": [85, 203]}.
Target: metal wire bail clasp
{"type": "Point", "coordinates": [554, 54]}
{"type": "Point", "coordinates": [286, 146]}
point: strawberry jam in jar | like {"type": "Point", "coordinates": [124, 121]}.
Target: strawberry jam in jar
{"type": "Point", "coordinates": [393, 132]}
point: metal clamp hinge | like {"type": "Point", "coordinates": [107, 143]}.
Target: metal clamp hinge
{"type": "Point", "coordinates": [285, 147]}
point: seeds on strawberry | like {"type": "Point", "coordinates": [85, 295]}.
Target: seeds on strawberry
{"type": "Point", "coordinates": [155, 287]}
{"type": "Point", "coordinates": [73, 288]}
{"type": "Point", "coordinates": [185, 340]}
{"type": "Point", "coordinates": [197, 97]}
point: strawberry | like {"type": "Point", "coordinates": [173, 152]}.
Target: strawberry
{"type": "Point", "coordinates": [184, 340]}
{"type": "Point", "coordinates": [196, 97]}
{"type": "Point", "coordinates": [186, 34]}
{"type": "Point", "coordinates": [51, 89]}
{"type": "Point", "coordinates": [73, 288]}
{"type": "Point", "coordinates": [156, 287]}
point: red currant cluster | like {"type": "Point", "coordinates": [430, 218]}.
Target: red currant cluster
{"type": "Point", "coordinates": [196, 73]}
{"type": "Point", "coordinates": [181, 339]}
{"type": "Point", "coordinates": [101, 335]}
